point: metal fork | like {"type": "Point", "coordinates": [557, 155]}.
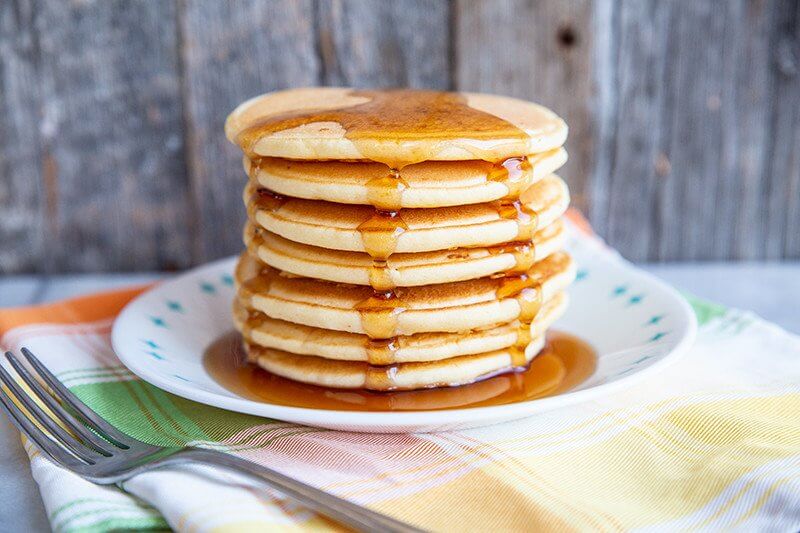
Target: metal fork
{"type": "Point", "coordinates": [98, 452]}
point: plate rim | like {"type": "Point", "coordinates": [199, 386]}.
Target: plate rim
{"type": "Point", "coordinates": [384, 419]}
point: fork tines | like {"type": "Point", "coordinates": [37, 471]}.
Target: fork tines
{"type": "Point", "coordinates": [66, 424]}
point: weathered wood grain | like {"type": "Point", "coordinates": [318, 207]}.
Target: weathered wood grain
{"type": "Point", "coordinates": [783, 206]}
{"type": "Point", "coordinates": [111, 134]}
{"type": "Point", "coordinates": [233, 51]}
{"type": "Point", "coordinates": [690, 173]}
{"type": "Point", "coordinates": [540, 51]}
{"type": "Point", "coordinates": [630, 180]}
{"type": "Point", "coordinates": [713, 99]}
{"type": "Point", "coordinates": [21, 196]}
{"type": "Point", "coordinates": [403, 43]}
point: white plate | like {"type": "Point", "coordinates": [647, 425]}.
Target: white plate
{"type": "Point", "coordinates": [636, 323]}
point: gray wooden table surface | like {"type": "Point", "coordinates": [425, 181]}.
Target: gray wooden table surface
{"type": "Point", "coordinates": [770, 290]}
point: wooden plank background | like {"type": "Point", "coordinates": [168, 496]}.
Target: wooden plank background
{"type": "Point", "coordinates": [684, 115]}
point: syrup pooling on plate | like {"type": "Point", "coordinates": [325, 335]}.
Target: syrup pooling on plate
{"type": "Point", "coordinates": [406, 119]}
{"type": "Point", "coordinates": [564, 363]}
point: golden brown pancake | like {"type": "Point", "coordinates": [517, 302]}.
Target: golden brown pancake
{"type": "Point", "coordinates": [422, 185]}
{"type": "Point", "coordinates": [403, 376]}
{"type": "Point", "coordinates": [404, 269]}
{"type": "Point", "coordinates": [361, 228]}
{"type": "Point", "coordinates": [396, 127]}
{"type": "Point", "coordinates": [258, 329]}
{"type": "Point", "coordinates": [453, 307]}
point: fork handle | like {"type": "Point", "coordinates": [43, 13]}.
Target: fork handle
{"type": "Point", "coordinates": [338, 509]}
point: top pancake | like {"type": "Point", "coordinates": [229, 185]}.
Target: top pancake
{"type": "Point", "coordinates": [396, 127]}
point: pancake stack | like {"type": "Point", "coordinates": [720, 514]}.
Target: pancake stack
{"type": "Point", "coordinates": [399, 239]}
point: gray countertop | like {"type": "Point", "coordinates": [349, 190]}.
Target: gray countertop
{"type": "Point", "coordinates": [770, 290]}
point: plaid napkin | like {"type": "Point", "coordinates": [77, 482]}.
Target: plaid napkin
{"type": "Point", "coordinates": [711, 442]}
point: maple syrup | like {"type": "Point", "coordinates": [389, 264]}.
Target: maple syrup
{"type": "Point", "coordinates": [261, 199]}
{"type": "Point", "coordinates": [524, 255]}
{"type": "Point", "coordinates": [380, 232]}
{"type": "Point", "coordinates": [515, 173]}
{"type": "Point", "coordinates": [565, 362]}
{"type": "Point", "coordinates": [400, 117]}
{"type": "Point", "coordinates": [386, 192]}
{"type": "Point", "coordinates": [381, 352]}
{"type": "Point", "coordinates": [380, 314]}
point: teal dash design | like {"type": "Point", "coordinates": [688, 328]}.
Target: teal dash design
{"type": "Point", "coordinates": [581, 275]}
{"type": "Point", "coordinates": [207, 288]}
{"type": "Point", "coordinates": [654, 320]}
{"type": "Point", "coordinates": [158, 321]}
{"type": "Point", "coordinates": [155, 355]}
{"type": "Point", "coordinates": [633, 300]}
{"type": "Point", "coordinates": [182, 378]}
{"type": "Point", "coordinates": [151, 344]}
{"type": "Point", "coordinates": [227, 279]}
{"type": "Point", "coordinates": [622, 289]}
{"type": "Point", "coordinates": [174, 306]}
{"type": "Point", "coordinates": [658, 336]}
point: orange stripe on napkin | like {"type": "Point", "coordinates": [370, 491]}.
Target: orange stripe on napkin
{"type": "Point", "coordinates": [580, 222]}
{"type": "Point", "coordinates": [83, 309]}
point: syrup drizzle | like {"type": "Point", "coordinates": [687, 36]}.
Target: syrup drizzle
{"type": "Point", "coordinates": [524, 255]}
{"type": "Point", "coordinates": [380, 313]}
{"type": "Point", "coordinates": [528, 293]}
{"type": "Point", "coordinates": [386, 192]}
{"type": "Point", "coordinates": [261, 199]}
{"type": "Point", "coordinates": [405, 121]}
{"type": "Point", "coordinates": [515, 173]}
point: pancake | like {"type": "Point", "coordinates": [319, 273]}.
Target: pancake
{"type": "Point", "coordinates": [396, 127]}
{"type": "Point", "coordinates": [266, 332]}
{"type": "Point", "coordinates": [427, 184]}
{"type": "Point", "coordinates": [449, 307]}
{"type": "Point", "coordinates": [405, 269]}
{"type": "Point", "coordinates": [403, 376]}
{"type": "Point", "coordinates": [399, 239]}
{"type": "Point", "coordinates": [361, 228]}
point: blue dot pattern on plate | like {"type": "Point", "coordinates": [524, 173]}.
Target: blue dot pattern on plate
{"type": "Point", "coordinates": [208, 288]}
{"type": "Point", "coordinates": [633, 300]}
{"type": "Point", "coordinates": [227, 279]}
{"type": "Point", "coordinates": [581, 275]}
{"type": "Point", "coordinates": [172, 305]}
{"type": "Point", "coordinates": [158, 321]}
